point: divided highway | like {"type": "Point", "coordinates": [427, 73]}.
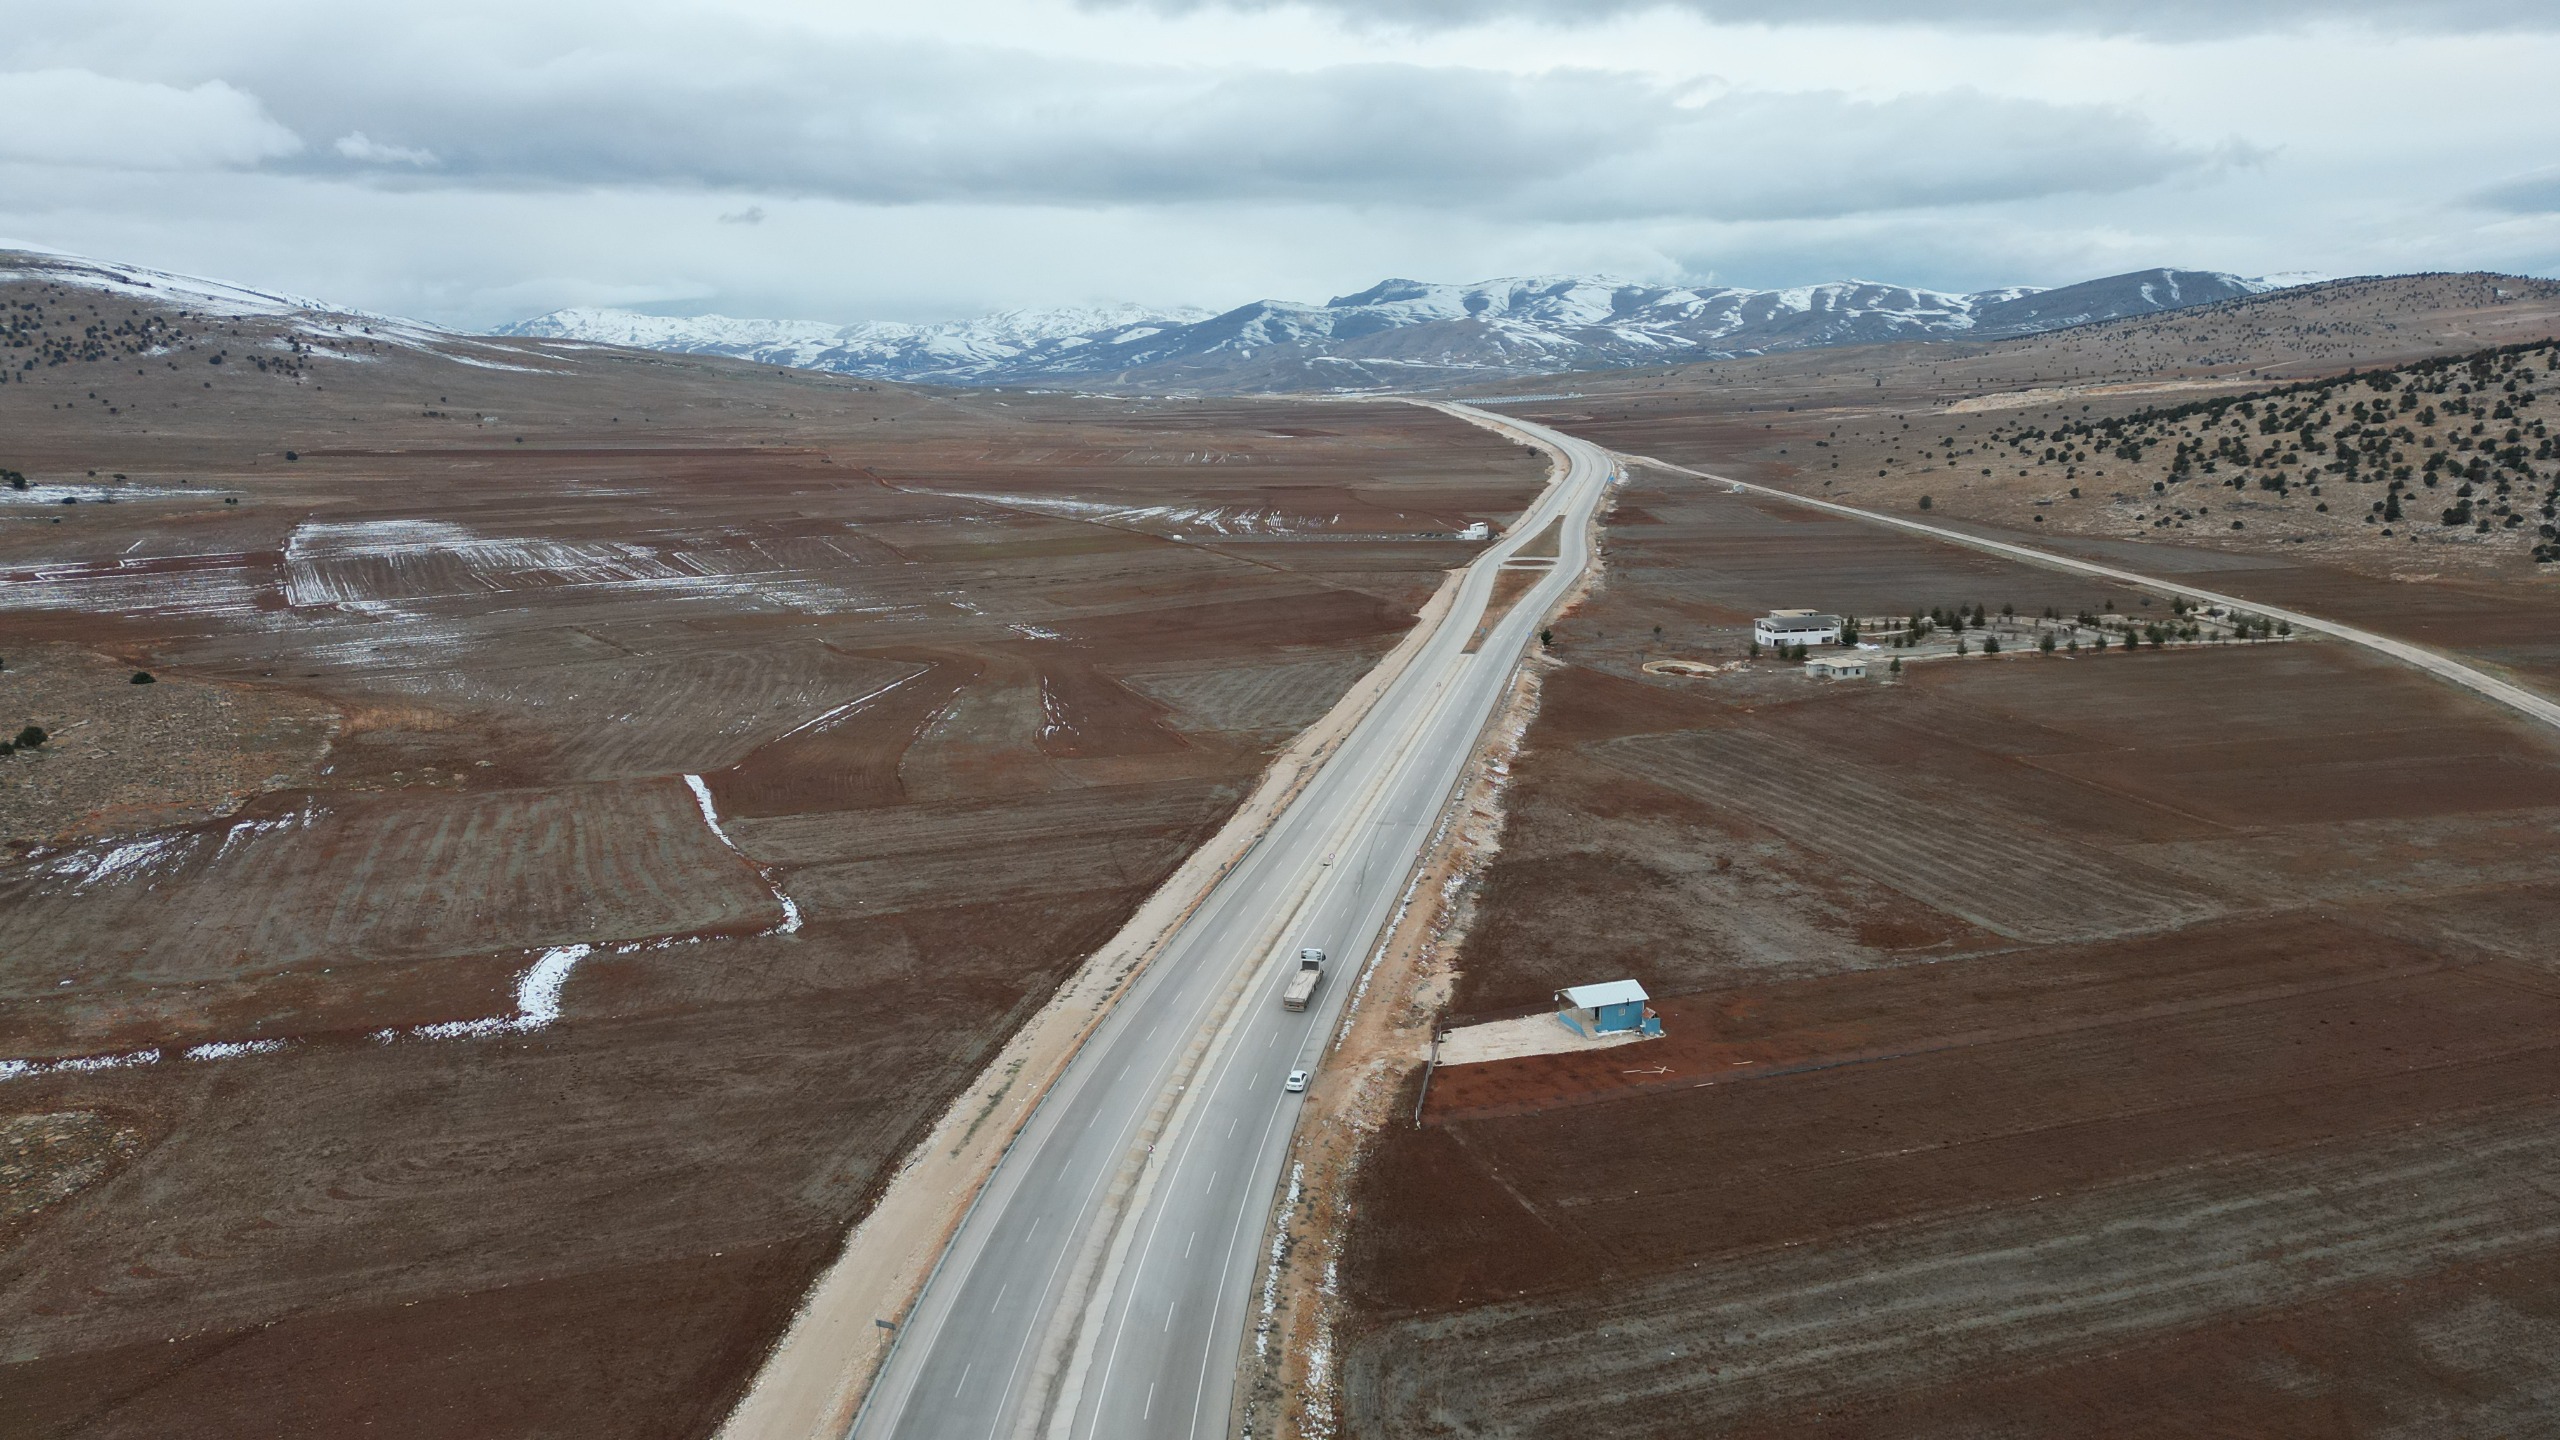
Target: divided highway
{"type": "Point", "coordinates": [1103, 1283]}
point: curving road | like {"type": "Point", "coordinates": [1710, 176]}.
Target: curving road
{"type": "Point", "coordinates": [1102, 1284]}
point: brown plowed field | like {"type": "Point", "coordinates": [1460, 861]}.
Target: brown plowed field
{"type": "Point", "coordinates": [2156, 1043]}
{"type": "Point", "coordinates": [438, 678]}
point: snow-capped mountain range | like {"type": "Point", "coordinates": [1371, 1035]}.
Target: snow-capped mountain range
{"type": "Point", "coordinates": [1400, 333]}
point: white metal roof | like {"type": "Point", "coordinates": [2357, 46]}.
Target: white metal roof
{"type": "Point", "coordinates": [1612, 992]}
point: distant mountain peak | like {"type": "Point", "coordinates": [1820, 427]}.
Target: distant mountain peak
{"type": "Point", "coordinates": [1402, 333]}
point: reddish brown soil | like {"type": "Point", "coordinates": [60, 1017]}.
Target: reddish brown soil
{"type": "Point", "coordinates": [683, 567]}
{"type": "Point", "coordinates": [2050, 1040]}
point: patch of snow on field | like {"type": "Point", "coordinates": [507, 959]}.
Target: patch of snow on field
{"type": "Point", "coordinates": [710, 812]}
{"type": "Point", "coordinates": [1053, 714]}
{"type": "Point", "coordinates": [828, 721]}
{"type": "Point", "coordinates": [246, 831]}
{"type": "Point", "coordinates": [49, 494]}
{"type": "Point", "coordinates": [711, 816]}
{"type": "Point", "coordinates": [1216, 519]}
{"type": "Point", "coordinates": [200, 585]}
{"type": "Point", "coordinates": [538, 994]}
{"type": "Point", "coordinates": [494, 365]}
{"type": "Point", "coordinates": [78, 1064]}
{"type": "Point", "coordinates": [120, 862]}
{"type": "Point", "coordinates": [537, 1001]}
{"type": "Point", "coordinates": [233, 1049]}
{"type": "Point", "coordinates": [367, 565]}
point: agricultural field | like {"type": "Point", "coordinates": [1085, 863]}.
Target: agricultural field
{"type": "Point", "coordinates": [589, 814]}
{"type": "Point", "coordinates": [2140, 1041]}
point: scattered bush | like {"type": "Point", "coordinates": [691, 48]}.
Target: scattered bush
{"type": "Point", "coordinates": [142, 677]}
{"type": "Point", "coordinates": [32, 738]}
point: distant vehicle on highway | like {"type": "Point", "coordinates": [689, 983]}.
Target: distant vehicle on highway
{"type": "Point", "coordinates": [1302, 986]}
{"type": "Point", "coordinates": [1297, 1081]}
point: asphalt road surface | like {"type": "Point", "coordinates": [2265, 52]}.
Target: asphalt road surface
{"type": "Point", "coordinates": [1103, 1283]}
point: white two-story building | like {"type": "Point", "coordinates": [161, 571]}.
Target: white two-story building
{"type": "Point", "coordinates": [1796, 627]}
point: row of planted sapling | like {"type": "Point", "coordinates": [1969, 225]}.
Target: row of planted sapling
{"type": "Point", "coordinates": [1974, 629]}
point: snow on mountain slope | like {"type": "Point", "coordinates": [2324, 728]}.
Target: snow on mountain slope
{"type": "Point", "coordinates": [1401, 332]}
{"type": "Point", "coordinates": [986, 350]}
{"type": "Point", "coordinates": [317, 322]}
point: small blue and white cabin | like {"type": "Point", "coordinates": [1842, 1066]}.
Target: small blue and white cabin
{"type": "Point", "coordinates": [1606, 1009]}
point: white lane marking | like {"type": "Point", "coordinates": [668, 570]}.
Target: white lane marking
{"type": "Point", "coordinates": [999, 1300]}
{"type": "Point", "coordinates": [1034, 1230]}
{"type": "Point", "coordinates": [1224, 1068]}
{"type": "Point", "coordinates": [1187, 1244]}
{"type": "Point", "coordinates": [1212, 1186]}
{"type": "Point", "coordinates": [1151, 1402]}
{"type": "Point", "coordinates": [964, 1381]}
{"type": "Point", "coordinates": [1232, 1123]}
{"type": "Point", "coordinates": [1169, 1308]}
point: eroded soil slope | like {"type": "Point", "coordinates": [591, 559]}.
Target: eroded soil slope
{"type": "Point", "coordinates": [591, 812]}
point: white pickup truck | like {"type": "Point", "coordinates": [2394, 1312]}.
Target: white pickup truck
{"type": "Point", "coordinates": [1302, 986]}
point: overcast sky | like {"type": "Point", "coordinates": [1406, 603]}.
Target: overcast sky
{"type": "Point", "coordinates": [479, 162]}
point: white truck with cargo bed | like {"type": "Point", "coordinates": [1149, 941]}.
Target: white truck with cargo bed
{"type": "Point", "coordinates": [1302, 986]}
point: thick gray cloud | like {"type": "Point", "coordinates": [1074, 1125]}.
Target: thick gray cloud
{"type": "Point", "coordinates": [916, 123]}
{"type": "Point", "coordinates": [2173, 20]}
{"type": "Point", "coordinates": [1817, 155]}
{"type": "Point", "coordinates": [487, 159]}
{"type": "Point", "coordinates": [2525, 195]}
{"type": "Point", "coordinates": [77, 117]}
{"type": "Point", "coordinates": [935, 124]}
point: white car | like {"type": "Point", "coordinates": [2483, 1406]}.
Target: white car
{"type": "Point", "coordinates": [1297, 1081]}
